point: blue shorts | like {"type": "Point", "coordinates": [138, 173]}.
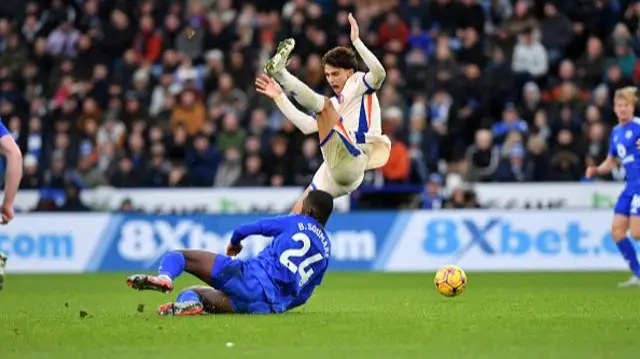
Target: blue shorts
{"type": "Point", "coordinates": [240, 282]}
{"type": "Point", "coordinates": [628, 203]}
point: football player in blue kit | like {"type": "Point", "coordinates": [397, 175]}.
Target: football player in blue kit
{"type": "Point", "coordinates": [12, 176]}
{"type": "Point", "coordinates": [282, 277]}
{"type": "Point", "coordinates": [624, 151]}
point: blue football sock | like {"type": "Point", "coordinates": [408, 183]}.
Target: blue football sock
{"type": "Point", "coordinates": [172, 264]}
{"type": "Point", "coordinates": [188, 295]}
{"type": "Point", "coordinates": [628, 252]}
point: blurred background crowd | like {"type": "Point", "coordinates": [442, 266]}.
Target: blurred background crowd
{"type": "Point", "coordinates": [156, 93]}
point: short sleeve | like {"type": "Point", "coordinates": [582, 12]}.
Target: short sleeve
{"type": "Point", "coordinates": [3, 129]}
{"type": "Point", "coordinates": [368, 88]}
{"type": "Point", "coordinates": [357, 87]}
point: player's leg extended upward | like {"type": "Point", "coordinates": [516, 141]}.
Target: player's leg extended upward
{"type": "Point", "coordinates": [326, 115]}
{"type": "Point", "coordinates": [191, 301]}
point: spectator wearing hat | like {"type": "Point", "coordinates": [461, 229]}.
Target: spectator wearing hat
{"type": "Point", "coordinates": [512, 168]}
{"type": "Point", "coordinates": [31, 178]}
{"type": "Point", "coordinates": [432, 196]}
{"type": "Point", "coordinates": [510, 122]}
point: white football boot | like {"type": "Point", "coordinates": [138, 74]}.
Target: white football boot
{"type": "Point", "coordinates": [280, 60]}
{"type": "Point", "coordinates": [631, 282]}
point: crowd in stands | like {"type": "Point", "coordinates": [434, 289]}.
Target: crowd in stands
{"type": "Point", "coordinates": [155, 93]}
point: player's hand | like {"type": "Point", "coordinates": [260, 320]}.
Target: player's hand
{"type": "Point", "coordinates": [355, 29]}
{"type": "Point", "coordinates": [233, 250]}
{"type": "Point", "coordinates": [7, 213]}
{"type": "Point", "coordinates": [638, 143]}
{"type": "Point", "coordinates": [592, 171]}
{"type": "Point", "coordinates": [268, 86]}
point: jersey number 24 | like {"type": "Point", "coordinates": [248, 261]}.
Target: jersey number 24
{"type": "Point", "coordinates": [304, 269]}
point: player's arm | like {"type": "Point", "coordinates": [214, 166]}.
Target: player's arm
{"type": "Point", "coordinates": [13, 174]}
{"type": "Point", "coordinates": [301, 120]}
{"type": "Point", "coordinates": [376, 75]}
{"type": "Point", "coordinates": [604, 168]}
{"type": "Point", "coordinates": [608, 164]}
{"type": "Point", "coordinates": [270, 88]}
{"type": "Point", "coordinates": [268, 227]}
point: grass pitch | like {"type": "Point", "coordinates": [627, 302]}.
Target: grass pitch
{"type": "Point", "coordinates": [353, 315]}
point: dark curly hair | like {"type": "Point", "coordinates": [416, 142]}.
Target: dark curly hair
{"type": "Point", "coordinates": [341, 57]}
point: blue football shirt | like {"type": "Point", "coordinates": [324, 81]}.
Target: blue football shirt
{"type": "Point", "coordinates": [3, 129]}
{"type": "Point", "coordinates": [294, 262]}
{"type": "Point", "coordinates": [623, 146]}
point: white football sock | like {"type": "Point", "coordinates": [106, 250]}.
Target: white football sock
{"type": "Point", "coordinates": [310, 100]}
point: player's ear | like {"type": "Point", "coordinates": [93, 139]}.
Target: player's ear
{"type": "Point", "coordinates": [307, 211]}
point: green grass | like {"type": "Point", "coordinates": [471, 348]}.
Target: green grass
{"type": "Point", "coordinates": [353, 315]}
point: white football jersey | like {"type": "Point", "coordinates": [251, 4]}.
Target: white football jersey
{"type": "Point", "coordinates": [358, 106]}
{"type": "Point", "coordinates": [361, 118]}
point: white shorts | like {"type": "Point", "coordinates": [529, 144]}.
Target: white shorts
{"type": "Point", "coordinates": [342, 171]}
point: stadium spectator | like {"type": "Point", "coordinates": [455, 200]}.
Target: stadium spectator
{"type": "Point", "coordinates": [482, 158]}
{"type": "Point", "coordinates": [432, 197]}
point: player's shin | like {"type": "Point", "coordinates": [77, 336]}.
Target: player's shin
{"type": "Point", "coordinates": [310, 100]}
{"type": "Point", "coordinates": [628, 251]}
{"type": "Point", "coordinates": [171, 265]}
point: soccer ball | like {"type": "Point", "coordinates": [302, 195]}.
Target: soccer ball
{"type": "Point", "coordinates": [450, 280]}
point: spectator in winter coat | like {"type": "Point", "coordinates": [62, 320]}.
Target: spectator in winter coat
{"type": "Point", "coordinates": [190, 113]}
{"type": "Point", "coordinates": [529, 56]}
{"type": "Point", "coordinates": [482, 158]}
{"type": "Point", "coordinates": [557, 32]}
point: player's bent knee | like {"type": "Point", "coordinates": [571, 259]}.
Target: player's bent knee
{"type": "Point", "coordinates": [345, 178]}
{"type": "Point", "coordinates": [619, 234]}
{"type": "Point", "coordinates": [214, 301]}
{"type": "Point", "coordinates": [199, 263]}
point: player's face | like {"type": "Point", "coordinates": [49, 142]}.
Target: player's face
{"type": "Point", "coordinates": [623, 109]}
{"type": "Point", "coordinates": [337, 77]}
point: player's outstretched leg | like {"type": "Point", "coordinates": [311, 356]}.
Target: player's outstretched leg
{"type": "Point", "coordinates": [3, 264]}
{"type": "Point", "coordinates": [172, 264]}
{"type": "Point", "coordinates": [276, 68]}
{"type": "Point", "coordinates": [196, 301]}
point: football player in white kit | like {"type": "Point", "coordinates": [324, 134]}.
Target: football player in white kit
{"type": "Point", "coordinates": [348, 124]}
